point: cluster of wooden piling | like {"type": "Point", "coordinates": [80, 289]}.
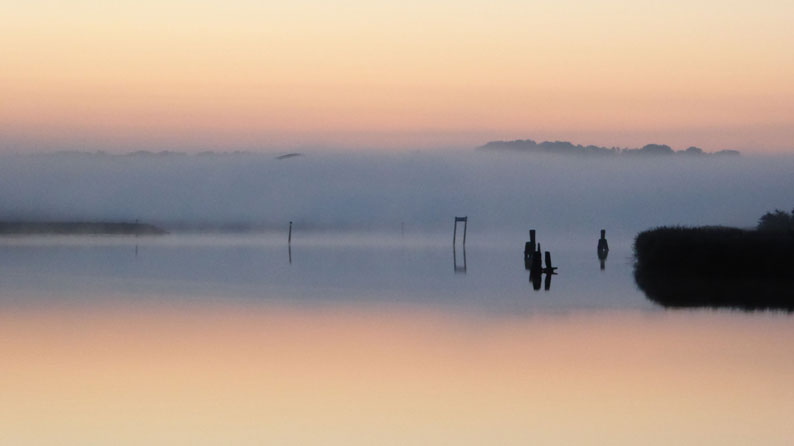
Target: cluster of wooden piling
{"type": "Point", "coordinates": [533, 262]}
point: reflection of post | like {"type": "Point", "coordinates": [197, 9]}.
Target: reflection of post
{"type": "Point", "coordinates": [289, 252]}
{"type": "Point", "coordinates": [535, 277]}
{"type": "Point", "coordinates": [456, 268]}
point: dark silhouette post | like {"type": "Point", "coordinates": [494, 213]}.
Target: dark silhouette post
{"type": "Point", "coordinates": [465, 227]}
{"type": "Point", "coordinates": [289, 236]}
{"type": "Point", "coordinates": [529, 250]}
{"type": "Point", "coordinates": [602, 242]}
{"type": "Point", "coordinates": [603, 249]}
{"type": "Point", "coordinates": [533, 261]}
{"type": "Point", "coordinates": [465, 221]}
{"type": "Point", "coordinates": [536, 267]}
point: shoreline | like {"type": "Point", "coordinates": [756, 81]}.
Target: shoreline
{"type": "Point", "coordinates": [78, 228]}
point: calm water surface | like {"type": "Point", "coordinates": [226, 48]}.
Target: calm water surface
{"type": "Point", "coordinates": [365, 340]}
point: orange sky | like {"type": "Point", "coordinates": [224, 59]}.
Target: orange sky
{"type": "Point", "coordinates": [188, 75]}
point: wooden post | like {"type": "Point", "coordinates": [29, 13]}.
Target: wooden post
{"type": "Point", "coordinates": [465, 221]}
{"type": "Point", "coordinates": [603, 246]}
{"type": "Point", "coordinates": [289, 237]}
{"type": "Point", "coordinates": [532, 239]}
{"type": "Point", "coordinates": [536, 267]}
{"type": "Point", "coordinates": [465, 226]}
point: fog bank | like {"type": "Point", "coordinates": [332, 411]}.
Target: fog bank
{"type": "Point", "coordinates": [421, 191]}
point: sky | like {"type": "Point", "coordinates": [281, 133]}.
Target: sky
{"type": "Point", "coordinates": [374, 75]}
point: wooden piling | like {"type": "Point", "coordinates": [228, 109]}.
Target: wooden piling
{"type": "Point", "coordinates": [603, 245]}
{"type": "Point", "coordinates": [465, 221]}
{"type": "Point", "coordinates": [532, 240]}
{"type": "Point", "coordinates": [289, 236]}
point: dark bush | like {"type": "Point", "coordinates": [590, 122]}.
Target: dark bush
{"type": "Point", "coordinates": [716, 266]}
{"type": "Point", "coordinates": [715, 252]}
{"type": "Point", "coordinates": [777, 221]}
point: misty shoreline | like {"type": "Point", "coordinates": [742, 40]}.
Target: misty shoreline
{"type": "Point", "coordinates": [77, 228]}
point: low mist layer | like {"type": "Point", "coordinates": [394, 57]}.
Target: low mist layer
{"type": "Point", "coordinates": [417, 192]}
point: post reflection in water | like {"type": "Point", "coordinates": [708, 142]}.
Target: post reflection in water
{"type": "Point", "coordinates": [602, 259]}
{"type": "Point", "coordinates": [458, 268]}
{"type": "Point", "coordinates": [537, 278]}
{"type": "Point", "coordinates": [738, 293]}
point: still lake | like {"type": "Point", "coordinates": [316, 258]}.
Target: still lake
{"type": "Point", "coordinates": [370, 339]}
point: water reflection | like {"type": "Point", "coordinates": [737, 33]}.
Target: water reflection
{"type": "Point", "coordinates": [408, 269]}
{"type": "Point", "coordinates": [458, 268]}
{"type": "Point", "coordinates": [536, 278]}
{"type": "Point", "coordinates": [602, 260]}
{"type": "Point", "coordinates": [259, 373]}
{"type": "Point", "coordinates": [747, 294]}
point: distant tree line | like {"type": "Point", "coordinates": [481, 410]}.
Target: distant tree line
{"type": "Point", "coordinates": [568, 148]}
{"type": "Point", "coordinates": [777, 221]}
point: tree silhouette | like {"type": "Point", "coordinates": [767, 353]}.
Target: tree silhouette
{"type": "Point", "coordinates": [777, 221]}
